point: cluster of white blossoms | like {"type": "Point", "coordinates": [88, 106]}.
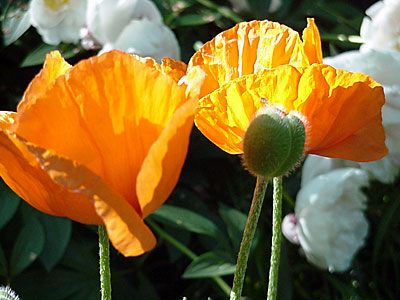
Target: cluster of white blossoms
{"type": "Point", "coordinates": [133, 26]}
{"type": "Point", "coordinates": [329, 222]}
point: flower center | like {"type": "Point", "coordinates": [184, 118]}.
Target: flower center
{"type": "Point", "coordinates": [55, 4]}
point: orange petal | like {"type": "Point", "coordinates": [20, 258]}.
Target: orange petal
{"type": "Point", "coordinates": [248, 48]}
{"type": "Point", "coordinates": [339, 105]}
{"type": "Point", "coordinates": [224, 115]}
{"type": "Point", "coordinates": [171, 67]}
{"type": "Point", "coordinates": [7, 119]}
{"type": "Point", "coordinates": [23, 174]}
{"type": "Point", "coordinates": [312, 42]}
{"type": "Point", "coordinates": [54, 66]}
{"type": "Point", "coordinates": [105, 114]}
{"type": "Point", "coordinates": [162, 165]}
{"type": "Point", "coordinates": [125, 228]}
{"type": "Point", "coordinates": [367, 144]}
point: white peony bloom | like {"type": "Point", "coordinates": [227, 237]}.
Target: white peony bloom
{"type": "Point", "coordinates": [315, 165]}
{"type": "Point", "coordinates": [383, 66]}
{"type": "Point", "coordinates": [329, 221]}
{"type": "Point", "coordinates": [58, 20]}
{"type": "Point", "coordinates": [133, 26]}
{"type": "Point", "coordinates": [381, 28]}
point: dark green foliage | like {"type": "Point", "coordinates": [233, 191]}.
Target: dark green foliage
{"type": "Point", "coordinates": [45, 257]}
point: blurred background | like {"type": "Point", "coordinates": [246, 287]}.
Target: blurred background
{"type": "Point", "coordinates": [45, 257]}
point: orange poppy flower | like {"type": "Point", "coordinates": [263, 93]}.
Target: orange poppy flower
{"type": "Point", "coordinates": [102, 142]}
{"type": "Point", "coordinates": [259, 60]}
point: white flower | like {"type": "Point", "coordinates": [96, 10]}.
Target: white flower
{"type": "Point", "coordinates": [381, 28]}
{"type": "Point", "coordinates": [133, 26]}
{"type": "Point", "coordinates": [383, 66]}
{"type": "Point", "coordinates": [315, 165]}
{"type": "Point", "coordinates": [58, 20]}
{"type": "Point", "coordinates": [329, 221]}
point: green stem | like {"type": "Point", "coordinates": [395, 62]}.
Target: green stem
{"type": "Point", "coordinates": [276, 239]}
{"type": "Point", "coordinates": [105, 274]}
{"type": "Point", "coordinates": [189, 253]}
{"type": "Point", "coordinates": [248, 235]}
{"type": "Point", "coordinates": [288, 199]}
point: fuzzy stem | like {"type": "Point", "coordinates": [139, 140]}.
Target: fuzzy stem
{"type": "Point", "coordinates": [105, 274]}
{"type": "Point", "coordinates": [248, 235]}
{"type": "Point", "coordinates": [276, 239]}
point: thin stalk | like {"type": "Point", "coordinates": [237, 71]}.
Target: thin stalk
{"type": "Point", "coordinates": [105, 274]}
{"type": "Point", "coordinates": [288, 199]}
{"type": "Point", "coordinates": [189, 253]}
{"type": "Point", "coordinates": [276, 239]}
{"type": "Point", "coordinates": [248, 235]}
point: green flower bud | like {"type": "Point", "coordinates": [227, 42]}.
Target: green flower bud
{"type": "Point", "coordinates": [273, 144]}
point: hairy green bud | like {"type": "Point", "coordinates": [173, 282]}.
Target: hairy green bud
{"type": "Point", "coordinates": [273, 144]}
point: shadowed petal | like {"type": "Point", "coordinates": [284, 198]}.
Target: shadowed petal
{"type": "Point", "coordinates": [371, 139]}
{"type": "Point", "coordinates": [125, 228]}
{"type": "Point", "coordinates": [162, 165]}
{"type": "Point", "coordinates": [171, 67]}
{"type": "Point", "coordinates": [22, 173]}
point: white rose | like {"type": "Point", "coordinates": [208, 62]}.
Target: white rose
{"type": "Point", "coordinates": [329, 221]}
{"type": "Point", "coordinates": [133, 26]}
{"type": "Point", "coordinates": [381, 28]}
{"type": "Point", "coordinates": [383, 66]}
{"type": "Point", "coordinates": [58, 20]}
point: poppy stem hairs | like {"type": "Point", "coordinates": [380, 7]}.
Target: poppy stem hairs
{"type": "Point", "coordinates": [105, 274]}
{"type": "Point", "coordinates": [248, 235]}
{"type": "Point", "coordinates": [276, 239]}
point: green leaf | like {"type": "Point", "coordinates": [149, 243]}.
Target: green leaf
{"type": "Point", "coordinates": [8, 204]}
{"type": "Point", "coordinates": [196, 19]}
{"type": "Point", "coordinates": [81, 255]}
{"type": "Point", "coordinates": [259, 7]}
{"type": "Point", "coordinates": [58, 234]}
{"type": "Point", "coordinates": [15, 24]}
{"type": "Point", "coordinates": [59, 284]}
{"type": "Point", "coordinates": [37, 56]}
{"type": "Point", "coordinates": [208, 265]}
{"type": "Point", "coordinates": [285, 284]}
{"type": "Point", "coordinates": [235, 222]}
{"type": "Point", "coordinates": [3, 263]}
{"type": "Point", "coordinates": [385, 228]}
{"type": "Point", "coordinates": [28, 246]}
{"type": "Point", "coordinates": [187, 219]}
{"type": "Point", "coordinates": [146, 289]}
